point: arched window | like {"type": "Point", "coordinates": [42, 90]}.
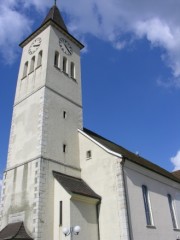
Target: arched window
{"type": "Point", "coordinates": [25, 69]}
{"type": "Point", "coordinates": [56, 59]}
{"type": "Point", "coordinates": [32, 64]}
{"type": "Point", "coordinates": [65, 64]}
{"type": "Point", "coordinates": [39, 61]}
{"type": "Point", "coordinates": [72, 70]}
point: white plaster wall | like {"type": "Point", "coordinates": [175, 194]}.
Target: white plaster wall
{"type": "Point", "coordinates": [61, 195]}
{"type": "Point", "coordinates": [26, 130]}
{"type": "Point", "coordinates": [158, 187]}
{"type": "Point", "coordinates": [19, 196]}
{"type": "Point", "coordinates": [100, 173]}
{"type": "Point", "coordinates": [76, 211]}
{"type": "Point", "coordinates": [47, 201]}
{"type": "Point", "coordinates": [84, 215]}
{"type": "Point", "coordinates": [58, 131]}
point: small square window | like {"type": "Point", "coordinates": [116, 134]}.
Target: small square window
{"type": "Point", "coordinates": [89, 154]}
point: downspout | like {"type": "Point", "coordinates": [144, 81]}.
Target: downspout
{"type": "Point", "coordinates": [126, 202]}
{"type": "Point", "coordinates": [97, 214]}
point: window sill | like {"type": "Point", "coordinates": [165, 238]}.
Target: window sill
{"type": "Point", "coordinates": [73, 79]}
{"type": "Point", "coordinates": [57, 68]}
{"type": "Point", "coordinates": [151, 226]}
{"type": "Point", "coordinates": [176, 229]}
{"type": "Point", "coordinates": [66, 73]}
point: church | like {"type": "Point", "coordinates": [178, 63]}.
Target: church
{"type": "Point", "coordinates": [63, 181]}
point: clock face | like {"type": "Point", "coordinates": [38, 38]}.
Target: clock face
{"type": "Point", "coordinates": [35, 45]}
{"type": "Point", "coordinates": [65, 46]}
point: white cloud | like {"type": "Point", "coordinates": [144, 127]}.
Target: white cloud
{"type": "Point", "coordinates": [0, 187]}
{"type": "Point", "coordinates": [156, 20]}
{"type": "Point", "coordinates": [176, 161]}
{"type": "Point", "coordinates": [13, 26]}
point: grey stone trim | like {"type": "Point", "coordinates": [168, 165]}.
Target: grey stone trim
{"type": "Point", "coordinates": [47, 159]}
{"type": "Point", "coordinates": [68, 99]}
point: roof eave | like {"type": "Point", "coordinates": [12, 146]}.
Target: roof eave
{"type": "Point", "coordinates": [44, 26]}
{"type": "Point", "coordinates": [101, 145]}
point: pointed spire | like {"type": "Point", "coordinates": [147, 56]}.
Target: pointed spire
{"type": "Point", "coordinates": [54, 14]}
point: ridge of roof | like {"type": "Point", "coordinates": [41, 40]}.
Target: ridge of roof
{"type": "Point", "coordinates": [55, 15]}
{"type": "Point", "coordinates": [131, 156]}
{"type": "Point", "coordinates": [75, 185]}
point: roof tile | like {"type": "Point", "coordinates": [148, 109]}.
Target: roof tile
{"type": "Point", "coordinates": [75, 185]}
{"type": "Point", "coordinates": [131, 156]}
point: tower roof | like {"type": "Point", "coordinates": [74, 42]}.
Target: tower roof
{"type": "Point", "coordinates": [55, 19]}
{"type": "Point", "coordinates": [55, 15]}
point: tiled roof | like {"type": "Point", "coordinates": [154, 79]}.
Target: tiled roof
{"type": "Point", "coordinates": [75, 185]}
{"type": "Point", "coordinates": [176, 173]}
{"type": "Point", "coordinates": [131, 156]}
{"type": "Point", "coordinates": [55, 16]}
{"type": "Point", "coordinates": [14, 231]}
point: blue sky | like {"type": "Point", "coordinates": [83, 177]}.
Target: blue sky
{"type": "Point", "coordinates": [130, 70]}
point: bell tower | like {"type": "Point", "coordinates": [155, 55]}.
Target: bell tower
{"type": "Point", "coordinates": [47, 113]}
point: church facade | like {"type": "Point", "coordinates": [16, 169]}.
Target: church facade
{"type": "Point", "coordinates": [60, 174]}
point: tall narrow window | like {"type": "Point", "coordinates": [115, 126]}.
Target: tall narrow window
{"type": "Point", "coordinates": [64, 114]}
{"type": "Point", "coordinates": [64, 148]}
{"type": "Point", "coordinates": [60, 213]}
{"type": "Point", "coordinates": [56, 59]}
{"type": "Point", "coordinates": [39, 61]}
{"type": "Point", "coordinates": [65, 64]}
{"type": "Point", "coordinates": [32, 64]}
{"type": "Point", "coordinates": [171, 207]}
{"type": "Point", "coordinates": [72, 70]}
{"type": "Point", "coordinates": [25, 69]}
{"type": "Point", "coordinates": [147, 206]}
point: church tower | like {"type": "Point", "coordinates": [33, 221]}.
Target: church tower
{"type": "Point", "coordinates": [47, 113]}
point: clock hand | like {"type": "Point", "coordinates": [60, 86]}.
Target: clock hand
{"type": "Point", "coordinates": [67, 48]}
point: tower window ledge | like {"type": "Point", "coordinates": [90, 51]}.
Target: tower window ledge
{"type": "Point", "coordinates": [57, 68]}
{"type": "Point", "coordinates": [30, 72]}
{"type": "Point", "coordinates": [23, 77]}
{"type": "Point", "coordinates": [39, 66]}
{"type": "Point", "coordinates": [66, 73]}
{"type": "Point", "coordinates": [73, 79]}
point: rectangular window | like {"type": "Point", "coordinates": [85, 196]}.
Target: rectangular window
{"type": "Point", "coordinates": [64, 114]}
{"type": "Point", "coordinates": [64, 148]}
{"type": "Point", "coordinates": [147, 206]}
{"type": "Point", "coordinates": [171, 207]}
{"type": "Point", "coordinates": [88, 154]}
{"type": "Point", "coordinates": [60, 213]}
{"type": "Point", "coordinates": [56, 59]}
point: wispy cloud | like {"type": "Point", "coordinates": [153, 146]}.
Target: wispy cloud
{"type": "Point", "coordinates": [176, 161]}
{"type": "Point", "coordinates": [158, 21]}
{"type": "Point", "coordinates": [1, 181]}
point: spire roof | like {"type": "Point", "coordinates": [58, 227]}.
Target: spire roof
{"type": "Point", "coordinates": [54, 14]}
